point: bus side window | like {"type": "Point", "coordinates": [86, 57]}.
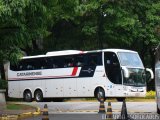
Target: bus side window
{"type": "Point", "coordinates": [29, 65]}
{"type": "Point", "coordinates": [56, 62]}
{"type": "Point", "coordinates": [14, 67]}
{"type": "Point", "coordinates": [33, 64]}
{"type": "Point", "coordinates": [69, 61]}
{"type": "Point", "coordinates": [112, 68]}
{"type": "Point", "coordinates": [42, 63]}
{"type": "Point", "coordinates": [79, 62]}
{"type": "Point", "coordinates": [50, 63]}
{"type": "Point", "coordinates": [94, 59]}
{"type": "Point", "coordinates": [22, 65]}
{"type": "Point", "coordinates": [112, 60]}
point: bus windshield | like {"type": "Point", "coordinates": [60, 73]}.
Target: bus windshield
{"type": "Point", "coordinates": [136, 78]}
{"type": "Point", "coordinates": [130, 59]}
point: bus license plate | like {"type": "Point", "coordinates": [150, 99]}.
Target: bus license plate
{"type": "Point", "coordinates": [137, 94]}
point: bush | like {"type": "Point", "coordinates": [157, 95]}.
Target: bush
{"type": "Point", "coordinates": [3, 84]}
{"type": "Point", "coordinates": [150, 94]}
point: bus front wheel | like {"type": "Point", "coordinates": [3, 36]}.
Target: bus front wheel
{"type": "Point", "coordinates": [38, 96]}
{"type": "Point", "coordinates": [27, 96]}
{"type": "Point", "coordinates": [100, 94]}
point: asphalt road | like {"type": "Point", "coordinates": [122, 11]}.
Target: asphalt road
{"type": "Point", "coordinates": [96, 116]}
{"type": "Point", "coordinates": [70, 117]}
{"type": "Point", "coordinates": [93, 107]}
{"type": "Point", "coordinates": [89, 110]}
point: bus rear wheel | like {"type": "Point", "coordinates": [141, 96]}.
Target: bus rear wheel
{"type": "Point", "coordinates": [100, 94]}
{"type": "Point", "coordinates": [38, 96]}
{"type": "Point", "coordinates": [27, 96]}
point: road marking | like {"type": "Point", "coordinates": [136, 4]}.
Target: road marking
{"type": "Point", "coordinates": [95, 111]}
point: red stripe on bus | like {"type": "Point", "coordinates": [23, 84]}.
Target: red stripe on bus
{"type": "Point", "coordinates": [39, 77]}
{"type": "Point", "coordinates": [75, 69]}
{"type": "Point", "coordinates": [74, 72]}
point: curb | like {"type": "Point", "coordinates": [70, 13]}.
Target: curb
{"type": "Point", "coordinates": [30, 114]}
{"type": "Point", "coordinates": [81, 111]}
{"type": "Point", "coordinates": [21, 116]}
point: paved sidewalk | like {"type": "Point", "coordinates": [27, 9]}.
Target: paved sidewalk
{"type": "Point", "coordinates": [15, 112]}
{"type": "Point", "coordinates": [18, 114]}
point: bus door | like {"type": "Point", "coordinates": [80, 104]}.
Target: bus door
{"type": "Point", "coordinates": [113, 72]}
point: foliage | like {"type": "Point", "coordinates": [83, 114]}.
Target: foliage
{"type": "Point", "coordinates": [21, 23]}
{"type": "Point", "coordinates": [38, 26]}
{"type": "Point", "coordinates": [81, 24]}
{"type": "Point", "coordinates": [109, 24]}
{"type": "Point", "coordinates": [150, 95]}
{"type": "Point", "coordinates": [122, 24]}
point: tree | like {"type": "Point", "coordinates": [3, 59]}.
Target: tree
{"type": "Point", "coordinates": [22, 22]}
{"type": "Point", "coordinates": [124, 23]}
{"type": "Point", "coordinates": [114, 24]}
{"type": "Point", "coordinates": [40, 26]}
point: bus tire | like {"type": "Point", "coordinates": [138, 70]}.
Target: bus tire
{"type": "Point", "coordinates": [27, 96]}
{"type": "Point", "coordinates": [120, 99]}
{"type": "Point", "coordinates": [158, 110]}
{"type": "Point", "coordinates": [100, 94]}
{"type": "Point", "coordinates": [38, 95]}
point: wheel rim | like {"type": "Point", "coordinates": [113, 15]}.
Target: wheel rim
{"type": "Point", "coordinates": [28, 96]}
{"type": "Point", "coordinates": [100, 96]}
{"type": "Point", "coordinates": [38, 96]}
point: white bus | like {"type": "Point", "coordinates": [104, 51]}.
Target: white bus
{"type": "Point", "coordinates": [157, 78]}
{"type": "Point", "coordinates": [69, 74]}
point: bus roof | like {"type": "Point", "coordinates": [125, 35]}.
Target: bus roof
{"type": "Point", "coordinates": [72, 52]}
{"type": "Point", "coordinates": [64, 52]}
{"type": "Point", "coordinates": [56, 53]}
{"type": "Point", "coordinates": [36, 56]}
{"type": "Point", "coordinates": [118, 50]}
{"type": "Point", "coordinates": [110, 50]}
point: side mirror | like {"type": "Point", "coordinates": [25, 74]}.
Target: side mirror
{"type": "Point", "coordinates": [149, 74]}
{"type": "Point", "coordinates": [125, 72]}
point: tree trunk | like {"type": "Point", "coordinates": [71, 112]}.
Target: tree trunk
{"type": "Point", "coordinates": [2, 71]}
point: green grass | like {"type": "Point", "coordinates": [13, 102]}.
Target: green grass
{"type": "Point", "coordinates": [12, 106]}
{"type": "Point", "coordinates": [150, 96]}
